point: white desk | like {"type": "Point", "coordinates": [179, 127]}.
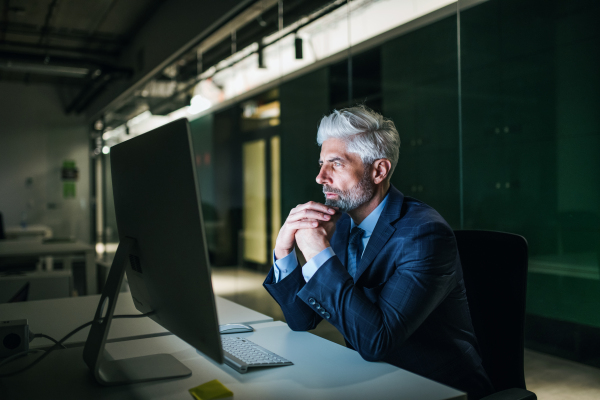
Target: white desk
{"type": "Point", "coordinates": [29, 232]}
{"type": "Point", "coordinates": [32, 248]}
{"type": "Point", "coordinates": [321, 370]}
{"type": "Point", "coordinates": [57, 317]}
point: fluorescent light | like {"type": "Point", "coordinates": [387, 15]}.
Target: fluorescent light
{"type": "Point", "coordinates": [106, 150]}
{"type": "Point", "coordinates": [198, 104]}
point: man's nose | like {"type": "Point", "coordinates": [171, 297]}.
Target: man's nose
{"type": "Point", "coordinates": [323, 177]}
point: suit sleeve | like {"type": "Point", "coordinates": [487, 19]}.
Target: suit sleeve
{"type": "Point", "coordinates": [424, 274]}
{"type": "Point", "coordinates": [299, 316]}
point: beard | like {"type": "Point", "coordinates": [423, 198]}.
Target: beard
{"type": "Point", "coordinates": [354, 197]}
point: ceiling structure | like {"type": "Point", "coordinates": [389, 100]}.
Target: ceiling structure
{"type": "Point", "coordinates": [171, 88]}
{"type": "Point", "coordinates": [76, 45]}
{"type": "Point", "coordinates": [70, 43]}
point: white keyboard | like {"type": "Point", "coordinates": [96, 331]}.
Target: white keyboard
{"type": "Point", "coordinates": [241, 354]}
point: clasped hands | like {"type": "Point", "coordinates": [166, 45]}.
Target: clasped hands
{"type": "Point", "coordinates": [311, 226]}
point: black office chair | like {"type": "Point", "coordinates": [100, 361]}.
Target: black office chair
{"type": "Point", "coordinates": [2, 234]}
{"type": "Point", "coordinates": [21, 295]}
{"type": "Point", "coordinates": [8, 264]}
{"type": "Point", "coordinates": [495, 273]}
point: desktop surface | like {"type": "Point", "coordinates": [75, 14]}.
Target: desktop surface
{"type": "Point", "coordinates": [56, 317]}
{"type": "Point", "coordinates": [321, 370]}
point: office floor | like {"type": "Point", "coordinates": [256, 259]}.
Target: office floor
{"type": "Point", "coordinates": [551, 378]}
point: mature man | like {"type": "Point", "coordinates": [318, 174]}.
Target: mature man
{"type": "Point", "coordinates": [384, 270]}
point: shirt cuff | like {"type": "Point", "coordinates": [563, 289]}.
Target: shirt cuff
{"type": "Point", "coordinates": [312, 265]}
{"type": "Point", "coordinates": [285, 266]}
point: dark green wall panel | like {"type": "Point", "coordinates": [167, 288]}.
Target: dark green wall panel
{"type": "Point", "coordinates": [564, 298]}
{"type": "Point", "coordinates": [420, 94]}
{"type": "Point", "coordinates": [304, 101]}
{"type": "Point", "coordinates": [202, 140]}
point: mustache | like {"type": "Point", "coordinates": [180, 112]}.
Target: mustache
{"type": "Point", "coordinates": [329, 189]}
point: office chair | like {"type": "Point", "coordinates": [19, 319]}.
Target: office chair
{"type": "Point", "coordinates": [21, 295]}
{"type": "Point", "coordinates": [2, 234]}
{"type": "Point", "coordinates": [14, 263]}
{"type": "Point", "coordinates": [495, 273]}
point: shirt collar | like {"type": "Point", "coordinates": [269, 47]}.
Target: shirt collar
{"type": "Point", "coordinates": [368, 224]}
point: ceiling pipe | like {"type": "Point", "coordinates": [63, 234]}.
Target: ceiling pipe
{"type": "Point", "coordinates": [99, 79]}
{"type": "Point", "coordinates": [58, 61]}
{"type": "Point", "coordinates": [47, 20]}
{"type": "Point", "coordinates": [98, 55]}
{"type": "Point", "coordinates": [77, 35]}
{"type": "Point", "coordinates": [53, 70]}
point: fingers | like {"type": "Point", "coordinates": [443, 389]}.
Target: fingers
{"type": "Point", "coordinates": [303, 224]}
{"type": "Point", "coordinates": [309, 214]}
{"type": "Point", "coordinates": [313, 205]}
{"type": "Point", "coordinates": [311, 210]}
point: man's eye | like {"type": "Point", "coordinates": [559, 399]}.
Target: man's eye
{"type": "Point", "coordinates": [337, 164]}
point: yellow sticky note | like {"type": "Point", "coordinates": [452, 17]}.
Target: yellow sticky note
{"type": "Point", "coordinates": [211, 390]}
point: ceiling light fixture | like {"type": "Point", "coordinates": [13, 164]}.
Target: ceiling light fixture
{"type": "Point", "coordinates": [198, 104]}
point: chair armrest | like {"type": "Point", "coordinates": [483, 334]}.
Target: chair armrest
{"type": "Point", "coordinates": [512, 394]}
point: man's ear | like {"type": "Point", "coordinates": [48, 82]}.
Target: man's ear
{"type": "Point", "coordinates": [381, 170]}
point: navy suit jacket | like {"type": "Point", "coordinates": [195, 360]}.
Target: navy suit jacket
{"type": "Point", "coordinates": [406, 305]}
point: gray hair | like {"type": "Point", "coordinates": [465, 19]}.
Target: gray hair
{"type": "Point", "coordinates": [366, 133]}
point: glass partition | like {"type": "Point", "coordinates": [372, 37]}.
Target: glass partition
{"type": "Point", "coordinates": [496, 103]}
{"type": "Point", "coordinates": [531, 139]}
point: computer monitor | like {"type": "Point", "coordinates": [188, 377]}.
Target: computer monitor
{"type": "Point", "coordinates": [162, 248]}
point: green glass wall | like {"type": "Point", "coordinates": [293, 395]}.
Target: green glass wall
{"type": "Point", "coordinates": [497, 109]}
{"type": "Point", "coordinates": [420, 94]}
{"type": "Point", "coordinates": [531, 139]}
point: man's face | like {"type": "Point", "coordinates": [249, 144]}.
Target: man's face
{"type": "Point", "coordinates": [347, 184]}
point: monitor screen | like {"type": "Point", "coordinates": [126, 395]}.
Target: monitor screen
{"type": "Point", "coordinates": [162, 241]}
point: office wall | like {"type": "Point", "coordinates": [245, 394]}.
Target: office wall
{"type": "Point", "coordinates": [420, 94]}
{"type": "Point", "coordinates": [35, 138]}
{"type": "Point", "coordinates": [202, 138]}
{"type": "Point", "coordinates": [304, 101]}
{"type": "Point", "coordinates": [531, 130]}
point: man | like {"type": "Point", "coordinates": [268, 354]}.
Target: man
{"type": "Point", "coordinates": [384, 269]}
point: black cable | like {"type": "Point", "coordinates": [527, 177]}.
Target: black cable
{"type": "Point", "coordinates": [41, 335]}
{"type": "Point", "coordinates": [21, 354]}
{"type": "Point", "coordinates": [68, 335]}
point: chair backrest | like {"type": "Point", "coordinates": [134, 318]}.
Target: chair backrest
{"type": "Point", "coordinates": [21, 295]}
{"type": "Point", "coordinates": [2, 234]}
{"type": "Point", "coordinates": [495, 273]}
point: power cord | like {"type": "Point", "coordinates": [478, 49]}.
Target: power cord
{"type": "Point", "coordinates": [41, 335]}
{"type": "Point", "coordinates": [60, 343]}
{"type": "Point", "coordinates": [15, 356]}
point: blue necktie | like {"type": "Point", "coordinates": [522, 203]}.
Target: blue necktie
{"type": "Point", "coordinates": [354, 253]}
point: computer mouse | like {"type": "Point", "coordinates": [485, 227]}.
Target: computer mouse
{"type": "Point", "coordinates": [235, 328]}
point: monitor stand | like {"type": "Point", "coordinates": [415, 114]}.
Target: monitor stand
{"type": "Point", "coordinates": [131, 370]}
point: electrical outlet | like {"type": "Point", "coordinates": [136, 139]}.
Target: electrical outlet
{"type": "Point", "coordinates": [14, 337]}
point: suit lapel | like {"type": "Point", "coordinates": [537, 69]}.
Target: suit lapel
{"type": "Point", "coordinates": [382, 232]}
{"type": "Point", "coordinates": [339, 242]}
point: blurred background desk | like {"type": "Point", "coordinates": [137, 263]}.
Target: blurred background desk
{"type": "Point", "coordinates": [36, 248]}
{"type": "Point", "coordinates": [29, 232]}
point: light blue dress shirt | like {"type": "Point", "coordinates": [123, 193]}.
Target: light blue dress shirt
{"type": "Point", "coordinates": [287, 264]}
